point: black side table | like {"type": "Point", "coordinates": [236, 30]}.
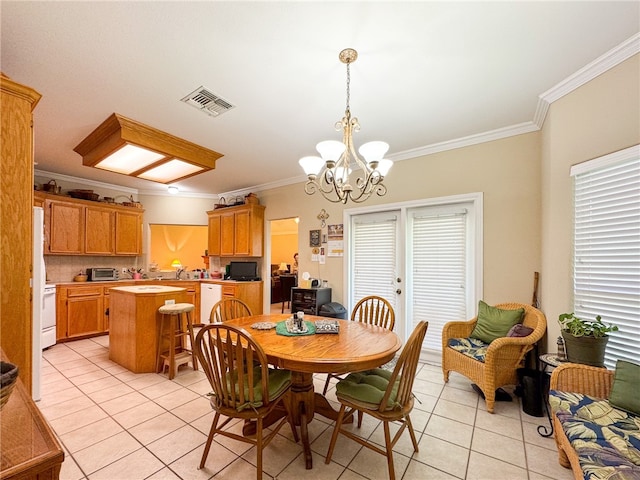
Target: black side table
{"type": "Point", "coordinates": [548, 361]}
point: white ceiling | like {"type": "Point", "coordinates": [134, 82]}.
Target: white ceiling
{"type": "Point", "coordinates": [427, 72]}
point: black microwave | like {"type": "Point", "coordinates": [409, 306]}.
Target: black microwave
{"type": "Point", "coordinates": [102, 274]}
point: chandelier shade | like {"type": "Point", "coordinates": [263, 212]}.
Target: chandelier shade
{"type": "Point", "coordinates": [331, 173]}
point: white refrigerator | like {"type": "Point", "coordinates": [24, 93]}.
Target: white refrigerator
{"type": "Point", "coordinates": [37, 285]}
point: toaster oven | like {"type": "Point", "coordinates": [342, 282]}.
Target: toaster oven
{"type": "Point", "coordinates": [102, 274]}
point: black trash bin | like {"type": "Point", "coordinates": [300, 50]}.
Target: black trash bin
{"type": "Point", "coordinates": [333, 310]}
{"type": "Point", "coordinates": [530, 389]}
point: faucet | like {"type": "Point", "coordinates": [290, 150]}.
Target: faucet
{"type": "Point", "coordinates": [179, 271]}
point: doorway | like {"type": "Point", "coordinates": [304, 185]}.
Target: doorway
{"type": "Point", "coordinates": [425, 257]}
{"type": "Point", "coordinates": [284, 245]}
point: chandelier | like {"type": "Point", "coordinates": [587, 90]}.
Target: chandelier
{"type": "Point", "coordinates": [331, 174]}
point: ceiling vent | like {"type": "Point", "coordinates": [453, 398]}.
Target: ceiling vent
{"type": "Point", "coordinates": [207, 102]}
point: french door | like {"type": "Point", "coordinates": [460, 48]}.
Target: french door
{"type": "Point", "coordinates": [424, 257]}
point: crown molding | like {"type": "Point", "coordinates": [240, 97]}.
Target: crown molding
{"type": "Point", "coordinates": [600, 65]}
{"type": "Point", "coordinates": [475, 139]}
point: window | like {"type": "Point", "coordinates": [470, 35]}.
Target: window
{"type": "Point", "coordinates": [606, 258]}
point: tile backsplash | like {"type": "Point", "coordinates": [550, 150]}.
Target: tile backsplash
{"type": "Point", "coordinates": [62, 268]}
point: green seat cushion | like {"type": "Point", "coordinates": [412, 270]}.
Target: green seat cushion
{"type": "Point", "coordinates": [279, 381]}
{"type": "Point", "coordinates": [367, 388]}
{"type": "Point", "coordinates": [494, 322]}
{"type": "Point", "coordinates": [624, 390]}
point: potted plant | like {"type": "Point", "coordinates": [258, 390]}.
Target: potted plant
{"type": "Point", "coordinates": [585, 340]}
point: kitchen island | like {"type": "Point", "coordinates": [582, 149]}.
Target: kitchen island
{"type": "Point", "coordinates": [134, 323]}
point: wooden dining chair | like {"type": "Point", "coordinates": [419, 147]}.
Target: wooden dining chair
{"type": "Point", "coordinates": [383, 394]}
{"type": "Point", "coordinates": [229, 308]}
{"type": "Point", "coordinates": [287, 282]}
{"type": "Point", "coordinates": [373, 310]}
{"type": "Point", "coordinates": [243, 385]}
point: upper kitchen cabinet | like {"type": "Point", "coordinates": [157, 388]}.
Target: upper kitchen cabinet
{"type": "Point", "coordinates": [16, 214]}
{"type": "Point", "coordinates": [99, 230]}
{"type": "Point", "coordinates": [128, 233]}
{"type": "Point", "coordinates": [82, 227]}
{"type": "Point", "coordinates": [237, 231]}
{"type": "Point", "coordinates": [65, 227]}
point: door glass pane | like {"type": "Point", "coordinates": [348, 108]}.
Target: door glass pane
{"type": "Point", "coordinates": [374, 257]}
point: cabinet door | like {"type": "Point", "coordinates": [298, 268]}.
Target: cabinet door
{"type": "Point", "coordinates": [242, 241]}
{"type": "Point", "coordinates": [128, 233]}
{"type": "Point", "coordinates": [66, 227]}
{"type": "Point", "coordinates": [227, 234]}
{"type": "Point", "coordinates": [214, 235]}
{"type": "Point", "coordinates": [99, 238]}
{"type": "Point", "coordinates": [84, 314]}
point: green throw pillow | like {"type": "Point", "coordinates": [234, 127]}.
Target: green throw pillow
{"type": "Point", "coordinates": [624, 391]}
{"type": "Point", "coordinates": [495, 322]}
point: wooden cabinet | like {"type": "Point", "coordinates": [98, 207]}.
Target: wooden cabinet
{"type": "Point", "coordinates": [66, 227]}
{"type": "Point", "coordinates": [128, 233]}
{"type": "Point", "coordinates": [79, 311]}
{"type": "Point", "coordinates": [99, 229]}
{"type": "Point", "coordinates": [81, 227]}
{"type": "Point", "coordinates": [249, 292]}
{"type": "Point", "coordinates": [237, 231]}
{"type": "Point", "coordinates": [214, 235]}
{"type": "Point", "coordinates": [16, 214]}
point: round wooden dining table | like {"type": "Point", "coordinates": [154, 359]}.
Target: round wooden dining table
{"type": "Point", "coordinates": [357, 346]}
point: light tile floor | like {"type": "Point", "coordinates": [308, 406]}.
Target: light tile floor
{"type": "Point", "coordinates": [114, 424]}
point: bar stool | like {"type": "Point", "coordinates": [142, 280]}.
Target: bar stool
{"type": "Point", "coordinates": [172, 327]}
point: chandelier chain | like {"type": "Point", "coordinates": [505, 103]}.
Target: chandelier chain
{"type": "Point", "coordinates": [348, 85]}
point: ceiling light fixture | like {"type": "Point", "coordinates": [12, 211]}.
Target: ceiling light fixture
{"type": "Point", "coordinates": [122, 145]}
{"type": "Point", "coordinates": [331, 174]}
{"type": "Point", "coordinates": [173, 190]}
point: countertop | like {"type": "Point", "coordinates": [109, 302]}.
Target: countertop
{"type": "Point", "coordinates": [115, 283]}
{"type": "Point", "coordinates": [152, 289]}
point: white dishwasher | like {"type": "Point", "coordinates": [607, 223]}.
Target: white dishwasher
{"type": "Point", "coordinates": [210, 294]}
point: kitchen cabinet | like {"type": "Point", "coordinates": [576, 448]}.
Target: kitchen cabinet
{"type": "Point", "coordinates": [16, 211]}
{"type": "Point", "coordinates": [66, 227]}
{"type": "Point", "coordinates": [214, 235]}
{"type": "Point", "coordinates": [249, 292]}
{"type": "Point", "coordinates": [82, 227]}
{"type": "Point", "coordinates": [309, 300]}
{"type": "Point", "coordinates": [128, 233]}
{"type": "Point", "coordinates": [79, 311]}
{"type": "Point", "coordinates": [237, 231]}
{"type": "Point", "coordinates": [100, 224]}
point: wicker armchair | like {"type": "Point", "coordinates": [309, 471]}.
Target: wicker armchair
{"type": "Point", "coordinates": [504, 355]}
{"type": "Point", "coordinates": [577, 378]}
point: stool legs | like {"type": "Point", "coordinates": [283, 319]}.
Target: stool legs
{"type": "Point", "coordinates": [172, 327]}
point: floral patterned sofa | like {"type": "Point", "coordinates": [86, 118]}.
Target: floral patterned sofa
{"type": "Point", "coordinates": [595, 437]}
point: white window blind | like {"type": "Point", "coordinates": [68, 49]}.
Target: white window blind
{"type": "Point", "coordinates": [374, 257]}
{"type": "Point", "coordinates": [439, 271]}
{"type": "Point", "coordinates": [606, 266]}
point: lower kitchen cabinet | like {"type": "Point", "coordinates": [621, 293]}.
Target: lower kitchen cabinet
{"type": "Point", "coordinates": [249, 292]}
{"type": "Point", "coordinates": [79, 311]}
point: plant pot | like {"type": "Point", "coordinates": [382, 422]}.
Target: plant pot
{"type": "Point", "coordinates": [585, 350]}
